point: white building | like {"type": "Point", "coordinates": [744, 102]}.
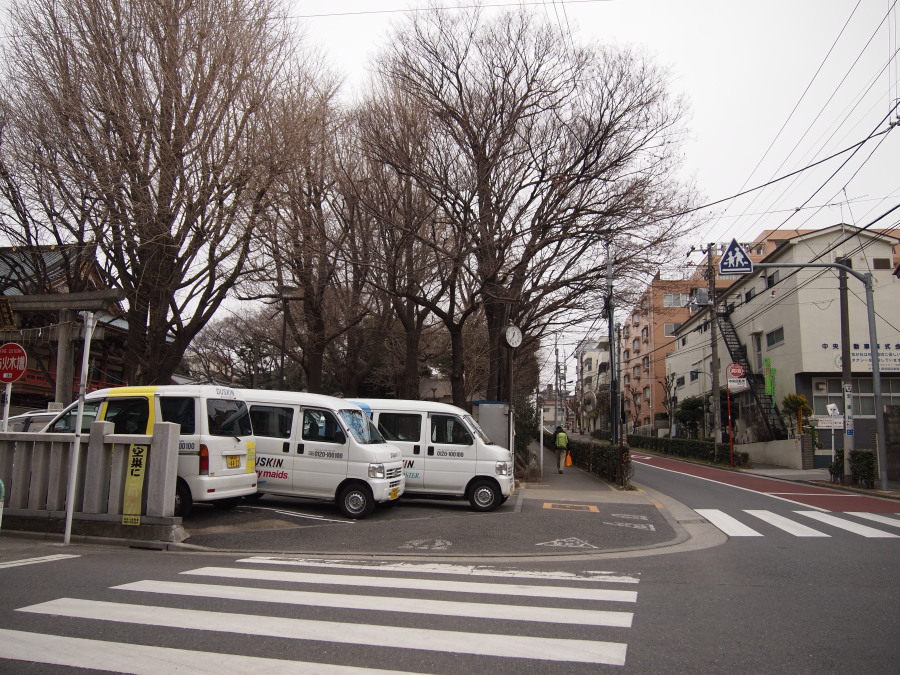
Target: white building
{"type": "Point", "coordinates": [783, 325]}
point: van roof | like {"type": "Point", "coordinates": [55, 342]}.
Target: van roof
{"type": "Point", "coordinates": [296, 398]}
{"type": "Point", "coordinates": [207, 390]}
{"type": "Point", "coordinates": [407, 404]}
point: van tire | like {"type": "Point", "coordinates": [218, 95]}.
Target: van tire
{"type": "Point", "coordinates": [484, 495]}
{"type": "Point", "coordinates": [356, 501]}
{"type": "Point", "coordinates": [184, 502]}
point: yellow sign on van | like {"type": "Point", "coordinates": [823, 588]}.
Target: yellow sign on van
{"type": "Point", "coordinates": [136, 464]}
{"type": "Point", "coordinates": [251, 457]}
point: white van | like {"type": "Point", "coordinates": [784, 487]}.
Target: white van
{"type": "Point", "coordinates": [445, 452]}
{"type": "Point", "coordinates": [311, 445]}
{"type": "Point", "coordinates": [216, 448]}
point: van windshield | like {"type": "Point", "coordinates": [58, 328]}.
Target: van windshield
{"type": "Point", "coordinates": [361, 426]}
{"type": "Point", "coordinates": [477, 430]}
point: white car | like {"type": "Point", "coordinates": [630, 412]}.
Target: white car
{"type": "Point", "coordinates": [33, 420]}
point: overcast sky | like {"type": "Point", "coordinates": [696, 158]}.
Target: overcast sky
{"type": "Point", "coordinates": [744, 68]}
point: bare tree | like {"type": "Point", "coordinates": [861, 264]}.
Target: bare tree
{"type": "Point", "coordinates": [142, 128]}
{"type": "Point", "coordinates": [540, 152]}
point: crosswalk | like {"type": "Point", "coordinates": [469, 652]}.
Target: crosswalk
{"type": "Point", "coordinates": [797, 523]}
{"type": "Point", "coordinates": [407, 615]}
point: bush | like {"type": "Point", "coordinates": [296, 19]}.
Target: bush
{"type": "Point", "coordinates": [600, 458]}
{"type": "Point", "coordinates": [688, 448]}
{"type": "Point", "coordinates": [862, 466]}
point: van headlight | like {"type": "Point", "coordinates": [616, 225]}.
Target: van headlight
{"type": "Point", "coordinates": [376, 470]}
{"type": "Point", "coordinates": [502, 468]}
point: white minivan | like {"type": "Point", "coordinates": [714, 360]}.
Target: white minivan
{"type": "Point", "coordinates": [216, 448]}
{"type": "Point", "coordinates": [312, 445]}
{"type": "Point", "coordinates": [445, 452]}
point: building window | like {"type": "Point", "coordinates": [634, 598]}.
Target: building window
{"type": "Point", "coordinates": [863, 395]}
{"type": "Point", "coordinates": [588, 364]}
{"type": "Point", "coordinates": [679, 383]}
{"type": "Point", "coordinates": [683, 341]}
{"type": "Point", "coordinates": [645, 362]}
{"type": "Point", "coordinates": [645, 334]}
{"type": "Point", "coordinates": [676, 299]}
{"type": "Point", "coordinates": [646, 393]}
{"type": "Point", "coordinates": [627, 379]}
{"type": "Point", "coordinates": [772, 279]}
{"type": "Point", "coordinates": [636, 371]}
{"type": "Point", "coordinates": [881, 263]}
{"type": "Point", "coordinates": [671, 328]}
{"type": "Point", "coordinates": [748, 296]}
{"type": "Point", "coordinates": [636, 344]}
{"type": "Point", "coordinates": [637, 399]}
{"type": "Point", "coordinates": [626, 355]}
{"type": "Point", "coordinates": [627, 404]}
{"type": "Point", "coordinates": [775, 337]}
{"type": "Point", "coordinates": [646, 421]}
{"type": "Point", "coordinates": [695, 375]}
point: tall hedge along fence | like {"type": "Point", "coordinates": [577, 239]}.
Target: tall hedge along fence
{"type": "Point", "coordinates": [598, 457]}
{"type": "Point", "coordinates": [689, 449]}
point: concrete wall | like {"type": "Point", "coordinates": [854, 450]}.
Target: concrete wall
{"type": "Point", "coordinates": [778, 453]}
{"type": "Point", "coordinates": [34, 468]}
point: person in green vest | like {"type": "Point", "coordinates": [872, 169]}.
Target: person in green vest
{"type": "Point", "coordinates": [561, 443]}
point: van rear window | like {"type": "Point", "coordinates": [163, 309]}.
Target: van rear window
{"type": "Point", "coordinates": [179, 410]}
{"type": "Point", "coordinates": [228, 417]}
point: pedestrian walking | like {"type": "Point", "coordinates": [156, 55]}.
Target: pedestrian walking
{"type": "Point", "coordinates": [561, 443]}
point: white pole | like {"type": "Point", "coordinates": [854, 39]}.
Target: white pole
{"type": "Point", "coordinates": [76, 446]}
{"type": "Point", "coordinates": [542, 442]}
{"type": "Point", "coordinates": [6, 405]}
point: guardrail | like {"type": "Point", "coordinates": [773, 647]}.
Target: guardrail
{"type": "Point", "coordinates": [35, 470]}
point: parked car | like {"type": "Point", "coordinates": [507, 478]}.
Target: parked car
{"type": "Point", "coordinates": [33, 420]}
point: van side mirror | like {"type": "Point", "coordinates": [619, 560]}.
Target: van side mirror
{"type": "Point", "coordinates": [340, 437]}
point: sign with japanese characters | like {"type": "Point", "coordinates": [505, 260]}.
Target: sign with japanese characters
{"type": "Point", "coordinates": [13, 361]}
{"type": "Point", "coordinates": [136, 465]}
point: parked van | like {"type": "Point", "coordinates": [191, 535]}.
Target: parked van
{"type": "Point", "coordinates": [216, 448]}
{"type": "Point", "coordinates": [445, 452]}
{"type": "Point", "coordinates": [310, 445]}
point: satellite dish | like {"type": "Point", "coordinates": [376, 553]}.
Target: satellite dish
{"type": "Point", "coordinates": [590, 401]}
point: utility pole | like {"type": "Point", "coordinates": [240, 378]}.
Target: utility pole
{"type": "Point", "coordinates": [714, 351]}
{"type": "Point", "coordinates": [846, 368]}
{"type": "Point", "coordinates": [613, 358]}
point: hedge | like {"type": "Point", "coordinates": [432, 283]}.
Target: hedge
{"type": "Point", "coordinates": [599, 458]}
{"type": "Point", "coordinates": [689, 449]}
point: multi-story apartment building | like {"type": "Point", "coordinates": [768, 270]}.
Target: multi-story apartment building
{"type": "Point", "coordinates": [591, 379]}
{"type": "Point", "coordinates": [783, 325]}
{"type": "Point", "coordinates": [648, 335]}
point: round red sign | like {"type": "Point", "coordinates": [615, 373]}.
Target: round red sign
{"type": "Point", "coordinates": [12, 362]}
{"type": "Point", "coordinates": [735, 370]}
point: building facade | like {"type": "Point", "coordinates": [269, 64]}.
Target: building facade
{"type": "Point", "coordinates": [783, 325]}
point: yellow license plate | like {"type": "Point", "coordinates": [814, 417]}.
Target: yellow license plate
{"type": "Point", "coordinates": [232, 461]}
{"type": "Point", "coordinates": [395, 492]}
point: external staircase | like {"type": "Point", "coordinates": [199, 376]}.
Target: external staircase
{"type": "Point", "coordinates": [756, 381]}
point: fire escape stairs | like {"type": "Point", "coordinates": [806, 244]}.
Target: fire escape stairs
{"type": "Point", "coordinates": [738, 352]}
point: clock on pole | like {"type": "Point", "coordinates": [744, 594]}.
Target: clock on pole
{"type": "Point", "coordinates": [512, 336]}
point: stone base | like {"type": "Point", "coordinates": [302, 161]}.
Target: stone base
{"type": "Point", "coordinates": [94, 525]}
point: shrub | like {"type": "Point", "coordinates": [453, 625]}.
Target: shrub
{"type": "Point", "coordinates": [862, 466]}
{"type": "Point", "coordinates": [688, 448]}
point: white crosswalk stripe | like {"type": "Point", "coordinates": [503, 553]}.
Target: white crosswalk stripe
{"type": "Point", "coordinates": [735, 527]}
{"type": "Point", "coordinates": [426, 602]}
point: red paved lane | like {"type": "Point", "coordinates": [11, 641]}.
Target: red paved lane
{"type": "Point", "coordinates": [801, 493]}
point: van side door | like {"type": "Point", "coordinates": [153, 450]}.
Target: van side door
{"type": "Point", "coordinates": [405, 430]}
{"type": "Point", "coordinates": [320, 463]}
{"type": "Point", "coordinates": [450, 455]}
{"type": "Point", "coordinates": [273, 426]}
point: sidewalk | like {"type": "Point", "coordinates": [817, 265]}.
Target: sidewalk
{"type": "Point", "coordinates": [822, 477]}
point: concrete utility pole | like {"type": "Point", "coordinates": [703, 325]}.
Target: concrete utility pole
{"type": "Point", "coordinates": [714, 351]}
{"type": "Point", "coordinates": [613, 358]}
{"type": "Point", "coordinates": [846, 373]}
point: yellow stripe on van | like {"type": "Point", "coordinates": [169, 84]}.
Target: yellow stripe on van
{"type": "Point", "coordinates": [133, 391]}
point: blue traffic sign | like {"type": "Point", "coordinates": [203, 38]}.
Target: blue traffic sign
{"type": "Point", "coordinates": [735, 260]}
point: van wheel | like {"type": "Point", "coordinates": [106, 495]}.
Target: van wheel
{"type": "Point", "coordinates": [184, 502]}
{"type": "Point", "coordinates": [226, 504]}
{"type": "Point", "coordinates": [484, 496]}
{"type": "Point", "coordinates": [355, 501]}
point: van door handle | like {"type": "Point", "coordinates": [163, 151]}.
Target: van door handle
{"type": "Point", "coordinates": [286, 447]}
{"type": "Point", "coordinates": [299, 448]}
{"type": "Point", "coordinates": [431, 451]}
{"type": "Point", "coordinates": [416, 449]}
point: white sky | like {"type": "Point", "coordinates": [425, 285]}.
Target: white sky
{"type": "Point", "coordinates": [742, 67]}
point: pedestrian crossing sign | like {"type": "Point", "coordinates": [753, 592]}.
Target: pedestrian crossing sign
{"type": "Point", "coordinates": [735, 260]}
